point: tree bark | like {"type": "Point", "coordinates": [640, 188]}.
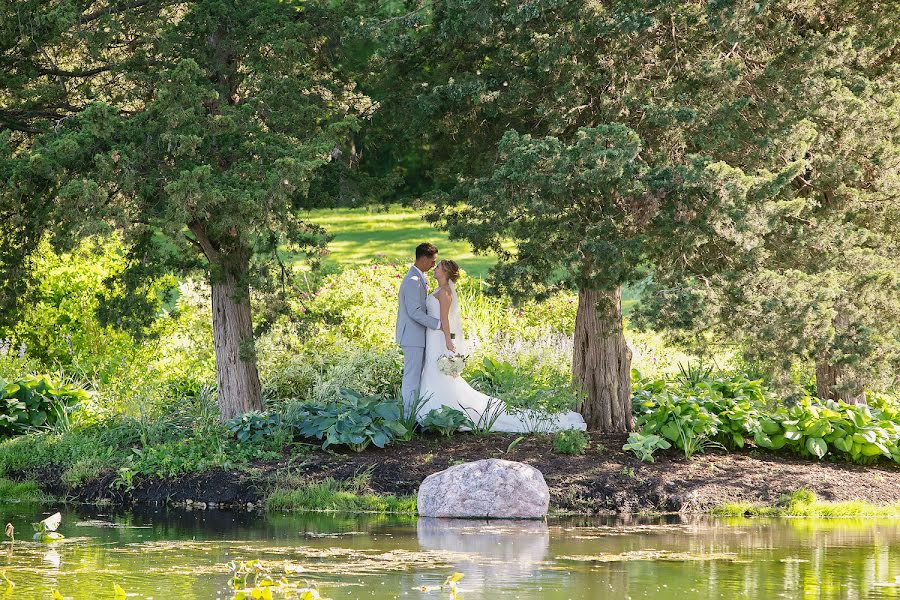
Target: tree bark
{"type": "Point", "coordinates": [836, 382]}
{"type": "Point", "coordinates": [602, 362]}
{"type": "Point", "coordinates": [833, 382]}
{"type": "Point", "coordinates": [236, 373]}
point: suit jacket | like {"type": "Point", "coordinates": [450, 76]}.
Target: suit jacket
{"type": "Point", "coordinates": [412, 320]}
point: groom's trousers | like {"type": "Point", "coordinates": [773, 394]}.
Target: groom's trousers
{"type": "Point", "coordinates": [413, 361]}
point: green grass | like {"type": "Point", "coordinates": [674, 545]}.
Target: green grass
{"type": "Point", "coordinates": [361, 233]}
{"type": "Point", "coordinates": [20, 491]}
{"type": "Point", "coordinates": [336, 496]}
{"type": "Point", "coordinates": [803, 503]}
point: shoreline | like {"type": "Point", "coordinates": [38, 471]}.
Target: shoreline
{"type": "Point", "coordinates": [605, 481]}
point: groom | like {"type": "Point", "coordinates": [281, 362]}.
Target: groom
{"type": "Point", "coordinates": [412, 321]}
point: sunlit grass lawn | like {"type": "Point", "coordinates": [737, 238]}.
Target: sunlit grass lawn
{"type": "Point", "coordinates": [361, 233]}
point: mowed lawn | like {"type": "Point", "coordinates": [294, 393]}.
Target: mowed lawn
{"type": "Point", "coordinates": [360, 234]}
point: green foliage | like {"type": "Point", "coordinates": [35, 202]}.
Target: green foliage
{"type": "Point", "coordinates": [45, 530]}
{"type": "Point", "coordinates": [444, 420]}
{"type": "Point", "coordinates": [108, 440]}
{"type": "Point", "coordinates": [570, 441]}
{"type": "Point", "coordinates": [253, 579]}
{"type": "Point", "coordinates": [540, 387]}
{"type": "Point", "coordinates": [483, 423]}
{"type": "Point", "coordinates": [207, 447]}
{"type": "Point", "coordinates": [803, 503]}
{"type": "Point", "coordinates": [644, 445]}
{"type": "Point", "coordinates": [730, 411]}
{"type": "Point", "coordinates": [352, 419]}
{"type": "Point", "coordinates": [37, 402]}
{"type": "Point", "coordinates": [20, 491]}
{"type": "Point", "coordinates": [331, 495]}
{"type": "Point", "coordinates": [253, 426]}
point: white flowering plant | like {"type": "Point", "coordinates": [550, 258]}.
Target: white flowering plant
{"type": "Point", "coordinates": [452, 364]}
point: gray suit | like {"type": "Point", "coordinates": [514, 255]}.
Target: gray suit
{"type": "Point", "coordinates": [412, 321]}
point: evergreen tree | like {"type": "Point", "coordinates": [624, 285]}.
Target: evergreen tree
{"type": "Point", "coordinates": [583, 143]}
{"type": "Point", "coordinates": [819, 284]}
{"type": "Point", "coordinates": [193, 127]}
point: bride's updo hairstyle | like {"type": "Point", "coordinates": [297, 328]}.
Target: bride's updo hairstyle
{"type": "Point", "coordinates": [451, 268]}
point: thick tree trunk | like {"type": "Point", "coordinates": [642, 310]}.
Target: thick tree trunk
{"type": "Point", "coordinates": [602, 362]}
{"type": "Point", "coordinates": [238, 379]}
{"type": "Point", "coordinates": [834, 383]}
{"type": "Point", "coordinates": [239, 388]}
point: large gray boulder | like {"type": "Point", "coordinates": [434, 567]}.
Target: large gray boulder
{"type": "Point", "coordinates": [491, 488]}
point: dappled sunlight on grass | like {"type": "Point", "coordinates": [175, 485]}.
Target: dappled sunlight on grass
{"type": "Point", "coordinates": [361, 234]}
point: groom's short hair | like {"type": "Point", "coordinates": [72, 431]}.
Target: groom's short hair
{"type": "Point", "coordinates": [425, 249]}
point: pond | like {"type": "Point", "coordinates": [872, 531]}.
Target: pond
{"type": "Point", "coordinates": [182, 554]}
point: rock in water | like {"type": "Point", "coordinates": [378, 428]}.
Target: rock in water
{"type": "Point", "coordinates": [491, 488]}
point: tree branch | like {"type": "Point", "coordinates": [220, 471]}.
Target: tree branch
{"type": "Point", "coordinates": [110, 10]}
{"type": "Point", "coordinates": [61, 73]}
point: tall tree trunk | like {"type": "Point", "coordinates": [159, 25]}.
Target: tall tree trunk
{"type": "Point", "coordinates": [602, 361]}
{"type": "Point", "coordinates": [236, 373]}
{"type": "Point", "coordinates": [239, 388]}
{"type": "Point", "coordinates": [834, 382]}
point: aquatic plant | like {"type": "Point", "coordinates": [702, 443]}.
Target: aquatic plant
{"type": "Point", "coordinates": [45, 530]}
{"type": "Point", "coordinates": [253, 579]}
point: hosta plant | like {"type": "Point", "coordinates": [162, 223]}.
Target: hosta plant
{"type": "Point", "coordinates": [351, 420]}
{"type": "Point", "coordinates": [37, 402]}
{"type": "Point", "coordinates": [444, 420]}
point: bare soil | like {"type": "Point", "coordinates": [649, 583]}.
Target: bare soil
{"type": "Point", "coordinates": [605, 480]}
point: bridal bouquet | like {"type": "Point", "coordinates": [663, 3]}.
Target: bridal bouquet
{"type": "Point", "coordinates": [451, 365]}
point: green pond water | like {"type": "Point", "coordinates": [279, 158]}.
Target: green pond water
{"type": "Point", "coordinates": [184, 554]}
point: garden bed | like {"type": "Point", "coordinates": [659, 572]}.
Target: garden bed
{"type": "Point", "coordinates": [605, 480]}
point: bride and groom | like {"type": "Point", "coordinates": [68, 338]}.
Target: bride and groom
{"type": "Point", "coordinates": [429, 327]}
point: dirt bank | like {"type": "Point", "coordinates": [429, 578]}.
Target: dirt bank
{"type": "Point", "coordinates": [604, 480]}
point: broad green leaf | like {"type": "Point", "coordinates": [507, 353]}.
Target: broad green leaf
{"type": "Point", "coordinates": [817, 446]}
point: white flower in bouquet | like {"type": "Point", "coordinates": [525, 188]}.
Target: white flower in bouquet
{"type": "Point", "coordinates": [451, 364]}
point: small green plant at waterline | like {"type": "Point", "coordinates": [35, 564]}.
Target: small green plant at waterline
{"type": "Point", "coordinates": [124, 479]}
{"type": "Point", "coordinates": [329, 495]}
{"type": "Point", "coordinates": [444, 420]}
{"type": "Point", "coordinates": [570, 441]}
{"type": "Point", "coordinates": [803, 503]}
{"type": "Point", "coordinates": [20, 491]}
{"type": "Point", "coordinates": [45, 530]}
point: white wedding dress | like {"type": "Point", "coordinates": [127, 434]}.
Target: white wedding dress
{"type": "Point", "coordinates": [438, 389]}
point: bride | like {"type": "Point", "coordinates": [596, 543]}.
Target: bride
{"type": "Point", "coordinates": [439, 389]}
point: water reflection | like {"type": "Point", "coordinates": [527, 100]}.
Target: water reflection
{"type": "Point", "coordinates": [500, 552]}
{"type": "Point", "coordinates": [182, 554]}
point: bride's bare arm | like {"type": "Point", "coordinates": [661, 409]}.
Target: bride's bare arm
{"type": "Point", "coordinates": [445, 299]}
